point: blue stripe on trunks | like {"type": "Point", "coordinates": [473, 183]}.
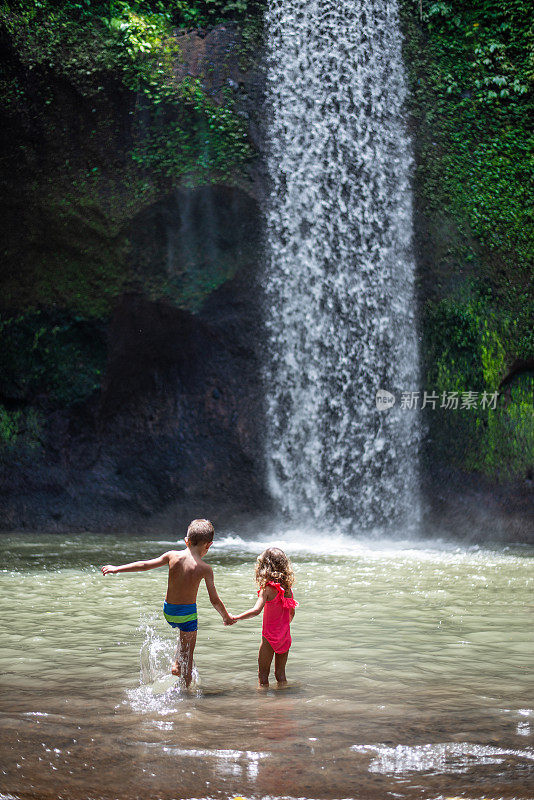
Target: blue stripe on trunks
{"type": "Point", "coordinates": [181, 615]}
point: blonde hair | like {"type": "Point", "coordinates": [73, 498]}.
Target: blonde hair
{"type": "Point", "coordinates": [274, 565]}
{"type": "Point", "coordinates": [200, 531]}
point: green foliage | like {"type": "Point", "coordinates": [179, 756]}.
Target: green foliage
{"type": "Point", "coordinates": [471, 76]}
{"type": "Point", "coordinates": [505, 439]}
{"type": "Point", "coordinates": [472, 94]}
{"type": "Point", "coordinates": [20, 429]}
{"type": "Point", "coordinates": [96, 127]}
{"type": "Point", "coordinates": [207, 141]}
{"type": "Point", "coordinates": [469, 346]}
{"type": "Point", "coordinates": [91, 43]}
{"type": "Point", "coordinates": [145, 49]}
{"type": "Point", "coordinates": [183, 13]}
{"type": "Point", "coordinates": [49, 358]}
{"type": "Point", "coordinates": [497, 442]}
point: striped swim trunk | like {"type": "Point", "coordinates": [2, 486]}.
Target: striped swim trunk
{"type": "Point", "coordinates": [183, 616]}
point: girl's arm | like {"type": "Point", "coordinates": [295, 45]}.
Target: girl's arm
{"type": "Point", "coordinates": [258, 606]}
{"type": "Point", "coordinates": [137, 566]}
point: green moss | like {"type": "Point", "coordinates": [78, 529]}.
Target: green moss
{"type": "Point", "coordinates": [20, 430]}
{"type": "Point", "coordinates": [187, 135]}
{"type": "Point", "coordinates": [96, 128]}
{"type": "Point", "coordinates": [207, 143]}
{"type": "Point", "coordinates": [474, 143]}
{"type": "Point", "coordinates": [469, 348]}
{"type": "Point", "coordinates": [72, 258]}
{"type": "Point", "coordinates": [49, 358]}
{"type": "Point", "coordinates": [470, 72]}
{"type": "Point", "coordinates": [506, 445]}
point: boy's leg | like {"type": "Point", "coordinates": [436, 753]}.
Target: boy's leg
{"type": "Point", "coordinates": [176, 668]}
{"type": "Point", "coordinates": [280, 661]}
{"type": "Point", "coordinates": [265, 657]}
{"type": "Point", "coordinates": [183, 665]}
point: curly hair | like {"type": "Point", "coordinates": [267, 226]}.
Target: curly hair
{"type": "Point", "coordinates": [274, 565]}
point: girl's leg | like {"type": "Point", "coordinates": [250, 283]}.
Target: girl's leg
{"type": "Point", "coordinates": [265, 657]}
{"type": "Point", "coordinates": [280, 661]}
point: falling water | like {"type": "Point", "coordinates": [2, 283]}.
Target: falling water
{"type": "Point", "coordinates": [339, 273]}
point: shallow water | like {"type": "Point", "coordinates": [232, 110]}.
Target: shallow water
{"type": "Point", "coordinates": [411, 667]}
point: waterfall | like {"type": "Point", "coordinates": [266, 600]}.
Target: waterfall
{"type": "Point", "coordinates": [339, 271]}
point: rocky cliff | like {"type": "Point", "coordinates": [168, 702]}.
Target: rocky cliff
{"type": "Point", "coordinates": [132, 231]}
{"type": "Point", "coordinates": [131, 217]}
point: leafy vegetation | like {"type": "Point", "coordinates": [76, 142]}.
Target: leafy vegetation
{"type": "Point", "coordinates": [96, 126]}
{"type": "Point", "coordinates": [50, 357]}
{"type": "Point", "coordinates": [471, 75]}
{"type": "Point", "coordinates": [206, 140]}
{"type": "Point", "coordinates": [20, 429]}
{"type": "Point", "coordinates": [180, 130]}
{"type": "Point", "coordinates": [47, 361]}
{"type": "Point", "coordinates": [469, 347]}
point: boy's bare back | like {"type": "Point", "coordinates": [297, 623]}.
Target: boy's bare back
{"type": "Point", "coordinates": [186, 570]}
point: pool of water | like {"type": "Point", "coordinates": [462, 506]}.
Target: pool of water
{"type": "Point", "coordinates": [410, 674]}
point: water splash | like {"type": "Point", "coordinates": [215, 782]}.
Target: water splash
{"type": "Point", "coordinates": [155, 657]}
{"type": "Point", "coordinates": [339, 277]}
{"type": "Point", "coordinates": [159, 690]}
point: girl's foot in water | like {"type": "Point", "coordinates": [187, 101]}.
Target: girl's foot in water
{"type": "Point", "coordinates": [176, 670]}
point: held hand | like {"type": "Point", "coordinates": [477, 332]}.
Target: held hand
{"type": "Point", "coordinates": [109, 569]}
{"type": "Point", "coordinates": [229, 620]}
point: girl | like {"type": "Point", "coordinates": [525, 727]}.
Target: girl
{"type": "Point", "coordinates": [274, 577]}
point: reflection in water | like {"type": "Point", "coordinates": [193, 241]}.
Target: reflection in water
{"type": "Point", "coordinates": [410, 668]}
{"type": "Point", "coordinates": [437, 758]}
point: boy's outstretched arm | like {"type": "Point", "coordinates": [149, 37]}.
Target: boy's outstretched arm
{"type": "Point", "coordinates": [215, 600]}
{"type": "Point", "coordinates": [137, 566]}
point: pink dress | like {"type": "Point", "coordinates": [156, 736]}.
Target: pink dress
{"type": "Point", "coordinates": [276, 618]}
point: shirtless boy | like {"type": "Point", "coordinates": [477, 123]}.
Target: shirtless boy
{"type": "Point", "coordinates": [186, 571]}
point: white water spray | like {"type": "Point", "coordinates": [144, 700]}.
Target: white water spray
{"type": "Point", "coordinates": [339, 273]}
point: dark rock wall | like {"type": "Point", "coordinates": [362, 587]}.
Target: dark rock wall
{"type": "Point", "coordinates": [176, 424]}
{"type": "Point", "coordinates": [129, 377]}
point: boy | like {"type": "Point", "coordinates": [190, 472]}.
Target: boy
{"type": "Point", "coordinates": [186, 570]}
